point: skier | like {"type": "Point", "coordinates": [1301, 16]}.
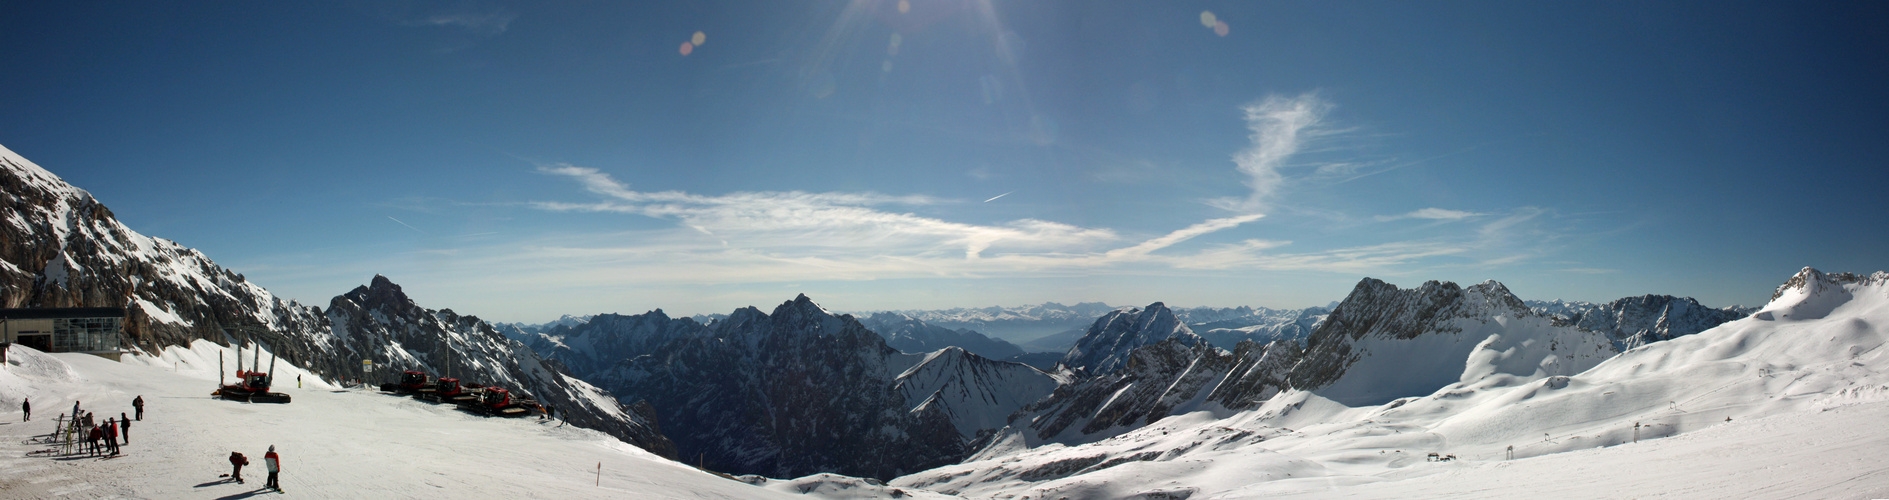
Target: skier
{"type": "Point", "coordinates": [237, 460]}
{"type": "Point", "coordinates": [298, 381]}
{"type": "Point", "coordinates": [124, 426]}
{"type": "Point", "coordinates": [75, 409]}
{"type": "Point", "coordinates": [139, 404]}
{"type": "Point", "coordinates": [275, 466]}
{"type": "Point", "coordinates": [26, 406]}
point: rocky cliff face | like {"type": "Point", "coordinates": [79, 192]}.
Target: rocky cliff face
{"type": "Point", "coordinates": [59, 247]}
{"type": "Point", "coordinates": [790, 393]}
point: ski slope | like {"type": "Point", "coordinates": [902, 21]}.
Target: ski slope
{"type": "Point", "coordinates": [334, 443]}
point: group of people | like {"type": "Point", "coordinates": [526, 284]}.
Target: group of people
{"type": "Point", "coordinates": [98, 438]}
{"type": "Point", "coordinates": [270, 459]}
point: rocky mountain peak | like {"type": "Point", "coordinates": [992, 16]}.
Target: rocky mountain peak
{"type": "Point", "coordinates": [1811, 282]}
{"type": "Point", "coordinates": [1108, 342]}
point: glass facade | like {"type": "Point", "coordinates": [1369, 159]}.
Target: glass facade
{"type": "Point", "coordinates": [85, 334]}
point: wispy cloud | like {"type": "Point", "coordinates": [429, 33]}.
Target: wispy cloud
{"type": "Point", "coordinates": [485, 22]}
{"type": "Point", "coordinates": [833, 220]}
{"type": "Point", "coordinates": [1279, 127]}
{"type": "Point", "coordinates": [1432, 213]}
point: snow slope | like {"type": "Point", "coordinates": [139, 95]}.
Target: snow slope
{"type": "Point", "coordinates": [1785, 403]}
{"type": "Point", "coordinates": [335, 443]}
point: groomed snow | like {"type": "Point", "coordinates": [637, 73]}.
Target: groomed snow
{"type": "Point", "coordinates": [334, 443]}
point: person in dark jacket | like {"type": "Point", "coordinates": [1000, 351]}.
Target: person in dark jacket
{"type": "Point", "coordinates": [26, 406]}
{"type": "Point", "coordinates": [124, 426]}
{"type": "Point", "coordinates": [238, 460]}
{"type": "Point", "coordinates": [139, 405]}
{"type": "Point", "coordinates": [275, 465]}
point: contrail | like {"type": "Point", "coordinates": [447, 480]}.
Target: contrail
{"type": "Point", "coordinates": [409, 226]}
{"type": "Point", "coordinates": [994, 198]}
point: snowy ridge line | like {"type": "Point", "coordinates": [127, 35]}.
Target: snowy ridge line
{"type": "Point", "coordinates": [1751, 396]}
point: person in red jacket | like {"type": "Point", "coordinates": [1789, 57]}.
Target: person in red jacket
{"type": "Point", "coordinates": [270, 459]}
{"type": "Point", "coordinates": [92, 437]}
{"type": "Point", "coordinates": [238, 460]}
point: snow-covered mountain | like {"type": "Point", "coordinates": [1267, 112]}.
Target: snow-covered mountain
{"type": "Point", "coordinates": [1745, 405]}
{"type": "Point", "coordinates": [1380, 344]}
{"type": "Point", "coordinates": [1384, 343]}
{"type": "Point", "coordinates": [1227, 327]}
{"type": "Point", "coordinates": [976, 393]}
{"type": "Point", "coordinates": [908, 334]}
{"type": "Point", "coordinates": [1110, 339]}
{"type": "Point", "coordinates": [527, 332]}
{"type": "Point", "coordinates": [1015, 324]}
{"type": "Point", "coordinates": [1636, 321]}
{"type": "Point", "coordinates": [60, 247]}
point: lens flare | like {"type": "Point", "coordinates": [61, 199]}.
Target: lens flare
{"type": "Point", "coordinates": [892, 47]}
{"type": "Point", "coordinates": [1220, 28]}
{"type": "Point", "coordinates": [1207, 19]}
{"type": "Point", "coordinates": [905, 6]}
{"type": "Point", "coordinates": [698, 38]}
{"type": "Point", "coordinates": [687, 48]}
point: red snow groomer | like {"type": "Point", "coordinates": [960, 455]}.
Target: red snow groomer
{"type": "Point", "coordinates": [410, 382]}
{"type": "Point", "coordinates": [446, 390]}
{"type": "Point", "coordinates": [251, 386]}
{"type": "Point", "coordinates": [498, 402]}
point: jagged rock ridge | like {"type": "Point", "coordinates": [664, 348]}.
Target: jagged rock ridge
{"type": "Point", "coordinates": [790, 393]}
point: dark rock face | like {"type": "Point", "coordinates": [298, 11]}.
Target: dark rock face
{"type": "Point", "coordinates": [908, 334]}
{"type": "Point", "coordinates": [59, 247]}
{"type": "Point", "coordinates": [787, 394]}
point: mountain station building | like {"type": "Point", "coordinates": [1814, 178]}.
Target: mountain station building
{"type": "Point", "coordinates": [91, 330]}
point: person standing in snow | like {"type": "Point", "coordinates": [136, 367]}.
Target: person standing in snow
{"type": "Point", "coordinates": [75, 409]}
{"type": "Point", "coordinates": [139, 405]}
{"type": "Point", "coordinates": [237, 460]}
{"type": "Point", "coordinates": [124, 426]}
{"type": "Point", "coordinates": [273, 461]}
{"type": "Point", "coordinates": [111, 436]}
{"type": "Point", "coordinates": [298, 381]}
{"type": "Point", "coordinates": [26, 405]}
{"type": "Point", "coordinates": [91, 439]}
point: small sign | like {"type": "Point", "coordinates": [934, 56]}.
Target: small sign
{"type": "Point", "coordinates": [367, 362]}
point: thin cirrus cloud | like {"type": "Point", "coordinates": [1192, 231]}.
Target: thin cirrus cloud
{"type": "Point", "coordinates": [1431, 213]}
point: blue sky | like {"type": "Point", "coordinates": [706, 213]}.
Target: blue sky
{"type": "Point", "coordinates": [519, 161]}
